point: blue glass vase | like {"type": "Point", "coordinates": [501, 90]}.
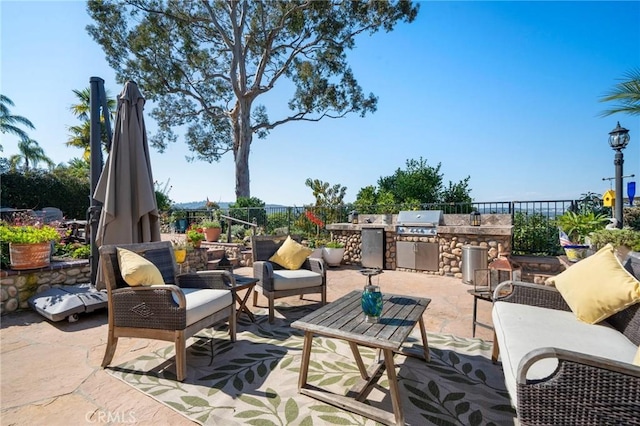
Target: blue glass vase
{"type": "Point", "coordinates": [371, 303]}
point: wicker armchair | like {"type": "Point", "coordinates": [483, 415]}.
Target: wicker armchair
{"type": "Point", "coordinates": [175, 311]}
{"type": "Point", "coordinates": [276, 282]}
{"type": "Point", "coordinates": [584, 389]}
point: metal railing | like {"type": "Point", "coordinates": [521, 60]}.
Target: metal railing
{"type": "Point", "coordinates": [534, 230]}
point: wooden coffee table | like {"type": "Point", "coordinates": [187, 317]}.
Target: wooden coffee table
{"type": "Point", "coordinates": [343, 319]}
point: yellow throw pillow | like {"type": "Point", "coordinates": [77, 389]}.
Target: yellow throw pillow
{"type": "Point", "coordinates": [636, 360]}
{"type": "Point", "coordinates": [597, 287]}
{"type": "Point", "coordinates": [136, 270]}
{"type": "Point", "coordinates": [291, 255]}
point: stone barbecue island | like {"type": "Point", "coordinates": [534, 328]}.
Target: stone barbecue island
{"type": "Point", "coordinates": [436, 251]}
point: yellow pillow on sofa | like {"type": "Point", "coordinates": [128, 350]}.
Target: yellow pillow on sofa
{"type": "Point", "coordinates": [136, 270]}
{"type": "Point", "coordinates": [636, 360]}
{"type": "Point", "coordinates": [597, 287]}
{"type": "Point", "coordinates": [291, 254]}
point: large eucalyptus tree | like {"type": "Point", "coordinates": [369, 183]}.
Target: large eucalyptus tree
{"type": "Point", "coordinates": [206, 64]}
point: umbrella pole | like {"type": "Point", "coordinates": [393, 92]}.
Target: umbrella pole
{"type": "Point", "coordinates": [98, 99]}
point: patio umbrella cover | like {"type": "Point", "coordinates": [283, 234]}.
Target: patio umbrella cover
{"type": "Point", "coordinates": [125, 188]}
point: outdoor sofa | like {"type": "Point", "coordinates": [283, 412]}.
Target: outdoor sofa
{"type": "Point", "coordinates": [563, 370]}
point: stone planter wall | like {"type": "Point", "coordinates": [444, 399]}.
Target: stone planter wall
{"type": "Point", "coordinates": [16, 287]}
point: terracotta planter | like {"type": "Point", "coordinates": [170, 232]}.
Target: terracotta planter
{"type": "Point", "coordinates": [30, 256]}
{"type": "Point", "coordinates": [212, 234]}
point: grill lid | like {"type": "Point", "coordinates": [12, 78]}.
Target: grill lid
{"type": "Point", "coordinates": [420, 218]}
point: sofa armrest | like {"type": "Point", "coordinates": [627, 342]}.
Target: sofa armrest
{"type": "Point", "coordinates": [584, 389]}
{"type": "Point", "coordinates": [263, 271]}
{"type": "Point", "coordinates": [530, 294]}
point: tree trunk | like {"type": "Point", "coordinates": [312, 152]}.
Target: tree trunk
{"type": "Point", "coordinates": [243, 134]}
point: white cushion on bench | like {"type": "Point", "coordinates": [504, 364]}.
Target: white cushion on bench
{"type": "Point", "coordinates": [284, 279]}
{"type": "Point", "coordinates": [523, 328]}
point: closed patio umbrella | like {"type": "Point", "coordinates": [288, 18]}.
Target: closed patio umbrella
{"type": "Point", "coordinates": [125, 188]}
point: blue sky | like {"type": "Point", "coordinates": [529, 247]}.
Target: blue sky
{"type": "Point", "coordinates": [504, 92]}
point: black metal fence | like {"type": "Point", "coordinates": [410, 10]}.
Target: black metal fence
{"type": "Point", "coordinates": [534, 230]}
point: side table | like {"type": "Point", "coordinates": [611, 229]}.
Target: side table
{"type": "Point", "coordinates": [482, 295]}
{"type": "Point", "coordinates": [243, 283]}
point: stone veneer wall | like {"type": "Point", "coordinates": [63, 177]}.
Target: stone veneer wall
{"type": "Point", "coordinates": [450, 257]}
{"type": "Point", "coordinates": [16, 287]}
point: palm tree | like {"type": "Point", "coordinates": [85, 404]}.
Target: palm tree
{"type": "Point", "coordinates": [80, 135]}
{"type": "Point", "coordinates": [30, 154]}
{"type": "Point", "coordinates": [9, 123]}
{"type": "Point", "coordinates": [626, 93]}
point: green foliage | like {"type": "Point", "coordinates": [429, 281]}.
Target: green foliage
{"type": "Point", "coordinates": [194, 235]}
{"type": "Point", "coordinates": [73, 250]}
{"type": "Point", "coordinates": [39, 189]}
{"type": "Point", "coordinates": [248, 209]}
{"type": "Point", "coordinates": [277, 220]}
{"type": "Point", "coordinates": [631, 218]}
{"type": "Point", "coordinates": [617, 237]}
{"type": "Point", "coordinates": [27, 234]}
{"type": "Point", "coordinates": [208, 223]}
{"type": "Point", "coordinates": [334, 244]}
{"type": "Point", "coordinates": [177, 214]}
{"type": "Point", "coordinates": [535, 230]}
{"type": "Point", "coordinates": [157, 45]}
{"type": "Point", "coordinates": [578, 226]}
{"type": "Point", "coordinates": [626, 94]}
{"type": "Point", "coordinates": [409, 189]}
{"type": "Point", "coordinates": [162, 196]}
{"type": "Point", "coordinates": [325, 194]}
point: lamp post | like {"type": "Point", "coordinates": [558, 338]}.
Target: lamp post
{"type": "Point", "coordinates": [618, 139]}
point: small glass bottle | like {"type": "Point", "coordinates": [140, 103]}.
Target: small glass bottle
{"type": "Point", "coordinates": [371, 303]}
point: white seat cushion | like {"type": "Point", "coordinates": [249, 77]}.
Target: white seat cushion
{"type": "Point", "coordinates": [522, 328]}
{"type": "Point", "coordinates": [291, 279]}
{"type": "Point", "coordinates": [204, 302]}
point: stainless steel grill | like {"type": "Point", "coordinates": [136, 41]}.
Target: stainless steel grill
{"type": "Point", "coordinates": [418, 222]}
{"type": "Point", "coordinates": [417, 255]}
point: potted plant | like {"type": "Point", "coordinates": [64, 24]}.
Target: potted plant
{"type": "Point", "coordinates": [623, 240]}
{"type": "Point", "coordinates": [578, 228]}
{"type": "Point", "coordinates": [211, 229]}
{"type": "Point", "coordinates": [333, 253]}
{"type": "Point", "coordinates": [179, 250]}
{"type": "Point", "coordinates": [179, 219]}
{"type": "Point", "coordinates": [195, 236]}
{"type": "Point", "coordinates": [317, 244]}
{"type": "Point", "coordinates": [29, 245]}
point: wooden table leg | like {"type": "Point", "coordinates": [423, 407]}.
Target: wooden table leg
{"type": "Point", "coordinates": [306, 355]}
{"type": "Point", "coordinates": [243, 304]}
{"type": "Point", "coordinates": [425, 342]}
{"type": "Point", "coordinates": [358, 358]}
{"type": "Point", "coordinates": [394, 389]}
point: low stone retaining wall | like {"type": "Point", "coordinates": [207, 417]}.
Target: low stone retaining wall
{"type": "Point", "coordinates": [16, 287]}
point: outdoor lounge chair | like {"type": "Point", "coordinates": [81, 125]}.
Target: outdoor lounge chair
{"type": "Point", "coordinates": [173, 311]}
{"type": "Point", "coordinates": [275, 281]}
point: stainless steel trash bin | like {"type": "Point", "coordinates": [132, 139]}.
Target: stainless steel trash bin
{"type": "Point", "coordinates": [473, 258]}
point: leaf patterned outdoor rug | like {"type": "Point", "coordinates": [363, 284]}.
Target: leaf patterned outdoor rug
{"type": "Point", "coordinates": [255, 380]}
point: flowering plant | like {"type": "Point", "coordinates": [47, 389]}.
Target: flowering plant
{"type": "Point", "coordinates": [314, 219]}
{"type": "Point", "coordinates": [195, 234]}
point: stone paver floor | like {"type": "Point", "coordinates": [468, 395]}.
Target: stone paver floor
{"type": "Point", "coordinates": [50, 372]}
